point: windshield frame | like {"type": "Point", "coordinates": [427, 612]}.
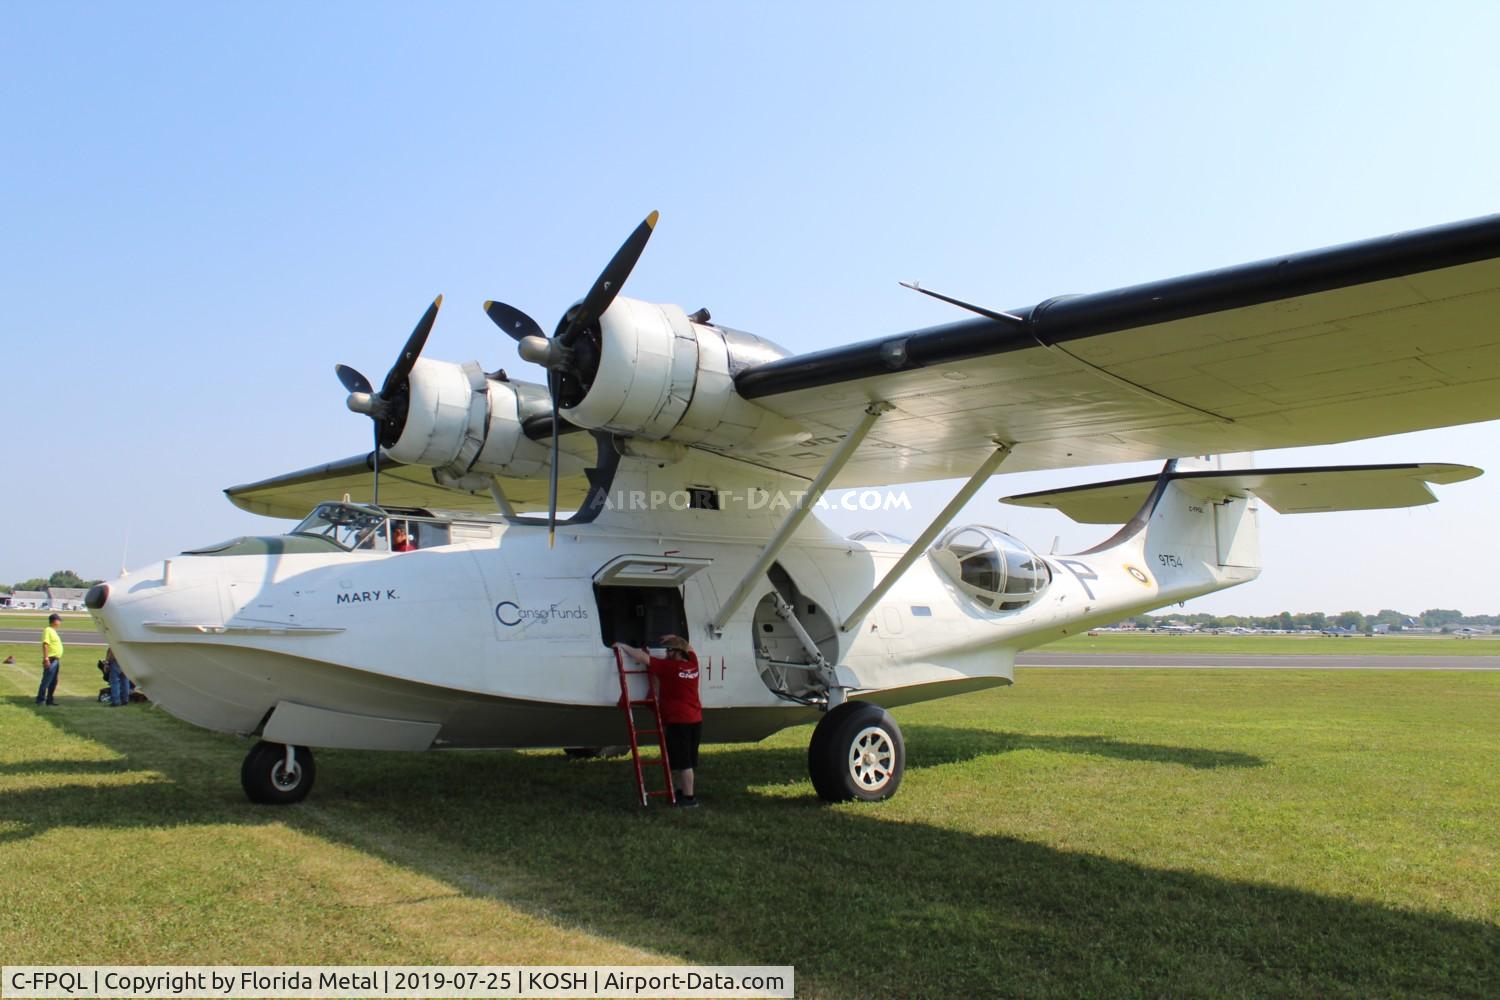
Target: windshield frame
{"type": "Point", "coordinates": [364, 518]}
{"type": "Point", "coordinates": [364, 527]}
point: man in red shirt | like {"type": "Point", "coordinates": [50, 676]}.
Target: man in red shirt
{"type": "Point", "coordinates": [681, 711]}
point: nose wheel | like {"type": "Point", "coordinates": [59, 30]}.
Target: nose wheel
{"type": "Point", "coordinates": [857, 752]}
{"type": "Point", "coordinates": [275, 774]}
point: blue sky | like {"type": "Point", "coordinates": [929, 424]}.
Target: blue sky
{"type": "Point", "coordinates": [204, 208]}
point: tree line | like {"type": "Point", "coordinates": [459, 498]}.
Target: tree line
{"type": "Point", "coordinates": [1358, 621]}
{"type": "Point", "coordinates": [62, 578]}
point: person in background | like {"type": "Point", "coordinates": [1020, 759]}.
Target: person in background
{"type": "Point", "coordinates": [119, 684]}
{"type": "Point", "coordinates": [52, 651]}
{"type": "Point", "coordinates": [399, 540]}
{"type": "Point", "coordinates": [681, 710]}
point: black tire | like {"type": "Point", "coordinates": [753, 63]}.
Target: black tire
{"type": "Point", "coordinates": [264, 776]}
{"type": "Point", "coordinates": [856, 752]}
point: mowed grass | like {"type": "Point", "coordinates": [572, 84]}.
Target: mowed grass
{"type": "Point", "coordinates": [1087, 832]}
{"type": "Point", "coordinates": [1278, 645]}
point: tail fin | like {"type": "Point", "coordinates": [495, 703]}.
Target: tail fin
{"type": "Point", "coordinates": [1191, 532]}
{"type": "Point", "coordinates": [1176, 546]}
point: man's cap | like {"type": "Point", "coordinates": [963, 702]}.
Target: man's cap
{"type": "Point", "coordinates": [676, 642]}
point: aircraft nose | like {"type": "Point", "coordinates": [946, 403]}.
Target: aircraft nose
{"type": "Point", "coordinates": [96, 597]}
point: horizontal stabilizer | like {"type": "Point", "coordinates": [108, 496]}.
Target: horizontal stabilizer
{"type": "Point", "coordinates": [1289, 491]}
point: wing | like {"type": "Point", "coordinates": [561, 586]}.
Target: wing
{"type": "Point", "coordinates": [295, 493]}
{"type": "Point", "coordinates": [1289, 491]}
{"type": "Point", "coordinates": [1380, 337]}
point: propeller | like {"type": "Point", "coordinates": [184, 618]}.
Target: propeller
{"type": "Point", "coordinates": [387, 408]}
{"type": "Point", "coordinates": [571, 359]}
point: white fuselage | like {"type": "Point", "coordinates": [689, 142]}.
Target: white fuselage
{"type": "Point", "coordinates": [493, 640]}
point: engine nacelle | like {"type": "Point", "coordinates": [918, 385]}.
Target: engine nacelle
{"type": "Point", "coordinates": [460, 422]}
{"type": "Point", "coordinates": [661, 376]}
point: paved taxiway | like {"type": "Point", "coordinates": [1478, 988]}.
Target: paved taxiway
{"type": "Point", "coordinates": [69, 638]}
{"type": "Point", "coordinates": [1252, 661]}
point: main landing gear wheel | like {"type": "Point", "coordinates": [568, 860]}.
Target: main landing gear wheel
{"type": "Point", "coordinates": [269, 778]}
{"type": "Point", "coordinates": [856, 752]}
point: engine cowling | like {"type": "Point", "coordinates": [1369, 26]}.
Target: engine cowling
{"type": "Point", "coordinates": [652, 372]}
{"type": "Point", "coordinates": [461, 422]}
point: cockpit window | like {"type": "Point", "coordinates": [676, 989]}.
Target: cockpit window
{"type": "Point", "coordinates": [359, 526]}
{"type": "Point", "coordinates": [426, 534]}
{"type": "Point", "coordinates": [994, 569]}
{"type": "Point", "coordinates": [350, 526]}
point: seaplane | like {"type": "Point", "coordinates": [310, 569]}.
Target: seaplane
{"type": "Point", "coordinates": [431, 595]}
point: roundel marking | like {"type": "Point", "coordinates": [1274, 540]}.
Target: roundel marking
{"type": "Point", "coordinates": [1139, 574]}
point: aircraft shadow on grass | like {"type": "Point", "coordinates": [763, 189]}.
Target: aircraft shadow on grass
{"type": "Point", "coordinates": [865, 906]}
{"type": "Point", "coordinates": [930, 746]}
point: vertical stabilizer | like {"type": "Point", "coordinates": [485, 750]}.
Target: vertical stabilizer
{"type": "Point", "coordinates": [1199, 540]}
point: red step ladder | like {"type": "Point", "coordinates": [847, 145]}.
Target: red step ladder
{"type": "Point", "coordinates": [630, 704]}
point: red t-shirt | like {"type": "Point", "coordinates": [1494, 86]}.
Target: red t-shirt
{"type": "Point", "coordinates": [678, 681]}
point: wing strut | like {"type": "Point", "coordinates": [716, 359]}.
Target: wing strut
{"type": "Point", "coordinates": [497, 490]}
{"type": "Point", "coordinates": [964, 495]}
{"type": "Point", "coordinates": [797, 515]}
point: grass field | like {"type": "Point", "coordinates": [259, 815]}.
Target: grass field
{"type": "Point", "coordinates": [1087, 832]}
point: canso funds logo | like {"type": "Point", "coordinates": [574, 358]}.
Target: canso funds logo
{"type": "Point", "coordinates": [511, 614]}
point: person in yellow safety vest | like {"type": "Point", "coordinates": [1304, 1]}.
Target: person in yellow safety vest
{"type": "Point", "coordinates": [52, 651]}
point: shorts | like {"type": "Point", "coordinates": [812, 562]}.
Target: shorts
{"type": "Point", "coordinates": [682, 744]}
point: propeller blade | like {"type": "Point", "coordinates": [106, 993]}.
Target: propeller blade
{"type": "Point", "coordinates": [513, 321]}
{"type": "Point", "coordinates": [610, 280]}
{"type": "Point", "coordinates": [352, 380]}
{"type": "Point", "coordinates": [375, 458]}
{"type": "Point", "coordinates": [402, 368]}
{"type": "Point", "coordinates": [554, 380]}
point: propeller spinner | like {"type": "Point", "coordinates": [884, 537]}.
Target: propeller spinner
{"type": "Point", "coordinates": [569, 361]}
{"type": "Point", "coordinates": [387, 408]}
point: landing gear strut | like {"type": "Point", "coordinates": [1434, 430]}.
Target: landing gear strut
{"type": "Point", "coordinates": [277, 775]}
{"type": "Point", "coordinates": [857, 752]}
